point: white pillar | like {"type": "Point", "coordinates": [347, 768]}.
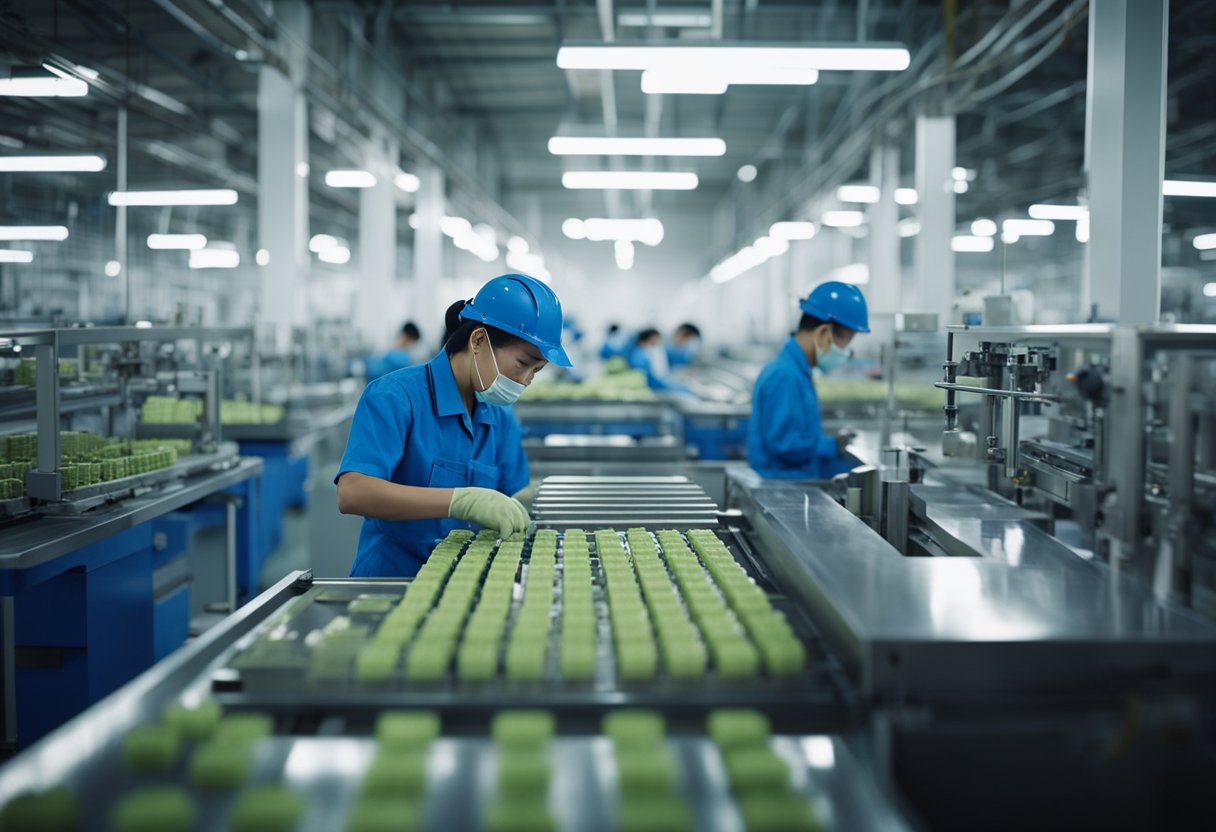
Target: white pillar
{"type": "Point", "coordinates": [1125, 154]}
{"type": "Point", "coordinates": [933, 257]}
{"type": "Point", "coordinates": [283, 200]}
{"type": "Point", "coordinates": [428, 250]}
{"type": "Point", "coordinates": [378, 308]}
{"type": "Point", "coordinates": [884, 290]}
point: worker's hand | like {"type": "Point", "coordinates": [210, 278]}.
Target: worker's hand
{"type": "Point", "coordinates": [489, 509]}
{"type": "Point", "coordinates": [844, 437]}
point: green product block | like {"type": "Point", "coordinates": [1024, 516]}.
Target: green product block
{"type": "Point", "coordinates": [655, 814]}
{"type": "Point", "coordinates": [736, 727]}
{"type": "Point", "coordinates": [244, 727]}
{"type": "Point", "coordinates": [194, 723]}
{"type": "Point", "coordinates": [778, 813]}
{"type": "Point", "coordinates": [513, 814]}
{"type": "Point", "coordinates": [152, 747]}
{"type": "Point", "coordinates": [54, 810]}
{"type": "Point", "coordinates": [407, 729]}
{"type": "Point", "coordinates": [637, 662]}
{"type": "Point", "coordinates": [526, 660]}
{"type": "Point", "coordinates": [427, 662]}
{"type": "Point", "coordinates": [384, 814]}
{"type": "Point", "coordinates": [376, 662]}
{"type": "Point", "coordinates": [634, 728]}
{"type": "Point", "coordinates": [396, 773]}
{"type": "Point", "coordinates": [645, 771]}
{"type": "Point", "coordinates": [267, 809]}
{"type": "Point", "coordinates": [577, 661]}
{"type": "Point", "coordinates": [477, 661]}
{"type": "Point", "coordinates": [221, 765]}
{"type": "Point", "coordinates": [756, 769]}
{"type": "Point", "coordinates": [784, 656]}
{"type": "Point", "coordinates": [684, 659]}
{"type": "Point", "coordinates": [370, 604]}
{"type": "Point", "coordinates": [161, 809]}
{"type": "Point", "coordinates": [737, 659]}
{"type": "Point", "coordinates": [523, 729]}
{"type": "Point", "coordinates": [524, 773]}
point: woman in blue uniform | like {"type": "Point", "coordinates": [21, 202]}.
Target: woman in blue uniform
{"type": "Point", "coordinates": [785, 437]}
{"type": "Point", "coordinates": [430, 450]}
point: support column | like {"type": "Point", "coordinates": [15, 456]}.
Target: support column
{"type": "Point", "coordinates": [283, 189]}
{"type": "Point", "coordinates": [379, 310]}
{"type": "Point", "coordinates": [883, 292]}
{"type": "Point", "coordinates": [933, 257]}
{"type": "Point", "coordinates": [428, 250]}
{"type": "Point", "coordinates": [1125, 158]}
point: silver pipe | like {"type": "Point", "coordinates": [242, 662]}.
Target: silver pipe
{"type": "Point", "coordinates": [996, 391]}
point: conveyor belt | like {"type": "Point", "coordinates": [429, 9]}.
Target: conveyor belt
{"type": "Point", "coordinates": [623, 502]}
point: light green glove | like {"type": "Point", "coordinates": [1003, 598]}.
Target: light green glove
{"type": "Point", "coordinates": [489, 509]}
{"type": "Point", "coordinates": [527, 494]}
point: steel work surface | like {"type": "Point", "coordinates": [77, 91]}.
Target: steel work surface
{"type": "Point", "coordinates": [1037, 620]}
{"type": "Point", "coordinates": [623, 502]}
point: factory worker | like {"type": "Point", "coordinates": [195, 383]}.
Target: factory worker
{"type": "Point", "coordinates": [685, 345]}
{"type": "Point", "coordinates": [616, 343]}
{"type": "Point", "coordinates": [430, 450]}
{"type": "Point", "coordinates": [785, 437]}
{"type": "Point", "coordinates": [650, 356]}
{"type": "Point", "coordinates": [398, 356]}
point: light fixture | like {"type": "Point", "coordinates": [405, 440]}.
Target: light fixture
{"type": "Point", "coordinates": [262, 257]}
{"type": "Point", "coordinates": [738, 263]}
{"type": "Point", "coordinates": [843, 219]}
{"type": "Point", "coordinates": [53, 233]}
{"type": "Point", "coordinates": [349, 179]}
{"type": "Point", "coordinates": [113, 268]}
{"type": "Point", "coordinates": [771, 246]}
{"type": "Point", "coordinates": [596, 146]}
{"type": "Point", "coordinates": [959, 174]}
{"type": "Point", "coordinates": [52, 164]}
{"type": "Point", "coordinates": [517, 245]}
{"type": "Point", "coordinates": [623, 252]}
{"type": "Point", "coordinates": [337, 255]}
{"type": "Point", "coordinates": [660, 82]}
{"type": "Point", "coordinates": [819, 752]}
{"type": "Point", "coordinates": [302, 169]}
{"type": "Point", "coordinates": [611, 180]}
{"type": "Point", "coordinates": [44, 86]}
{"type": "Point", "coordinates": [648, 231]}
{"type": "Point", "coordinates": [961, 186]}
{"type": "Point", "coordinates": [666, 20]}
{"type": "Point", "coordinates": [1180, 187]}
{"type": "Point", "coordinates": [856, 273]}
{"type": "Point", "coordinates": [407, 182]}
{"type": "Point", "coordinates": [880, 57]}
{"type": "Point", "coordinates": [455, 226]}
{"type": "Point", "coordinates": [16, 255]}
{"type": "Point", "coordinates": [1029, 228]}
{"type": "Point", "coordinates": [1209, 290]}
{"type": "Point", "coordinates": [415, 220]}
{"type": "Point", "coordinates": [713, 80]}
{"type": "Point", "coordinates": [1043, 211]}
{"type": "Point", "coordinates": [867, 194]}
{"type": "Point", "coordinates": [908, 227]}
{"type": "Point", "coordinates": [1082, 231]}
{"type": "Point", "coordinates": [966, 242]}
{"type": "Point", "coordinates": [747, 173]}
{"type": "Point", "coordinates": [906, 196]}
{"type": "Point", "coordinates": [1009, 238]}
{"type": "Point", "coordinates": [528, 263]}
{"type": "Point", "coordinates": [983, 228]}
{"type": "Point", "coordinates": [202, 196]}
{"type": "Point", "coordinates": [321, 242]}
{"type": "Point", "coordinates": [574, 229]}
{"type": "Point", "coordinates": [800, 230]}
{"type": "Point", "coordinates": [1204, 242]}
{"type": "Point", "coordinates": [214, 258]}
{"type": "Point", "coordinates": [179, 242]}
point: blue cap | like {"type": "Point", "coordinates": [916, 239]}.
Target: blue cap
{"type": "Point", "coordinates": [838, 303]}
{"type": "Point", "coordinates": [524, 307]}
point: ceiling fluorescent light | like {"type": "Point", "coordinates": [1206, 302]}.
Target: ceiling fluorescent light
{"type": "Point", "coordinates": [623, 251]}
{"type": "Point", "coordinates": [906, 196]}
{"type": "Point", "coordinates": [771, 246]}
{"type": "Point", "coordinates": [1205, 242]}
{"type": "Point", "coordinates": [868, 194]}
{"type": "Point", "coordinates": [14, 255]}
{"type": "Point", "coordinates": [801, 230]}
{"type": "Point", "coordinates": [349, 179]}
{"type": "Point", "coordinates": [1179, 187]}
{"type": "Point", "coordinates": [214, 258]}
{"type": "Point", "coordinates": [1044, 211]}
{"type": "Point", "coordinates": [709, 80]}
{"type": "Point", "coordinates": [177, 242]}
{"type": "Point", "coordinates": [665, 20]}
{"type": "Point", "coordinates": [629, 180]}
{"type": "Point", "coordinates": [574, 229]}
{"type": "Point", "coordinates": [983, 228]}
{"type": "Point", "coordinates": [647, 231]}
{"type": "Point", "coordinates": [909, 227]}
{"type": "Point", "coordinates": [218, 196]}
{"type": "Point", "coordinates": [52, 164]}
{"type": "Point", "coordinates": [882, 57]}
{"type": "Point", "coordinates": [517, 245]}
{"type": "Point", "coordinates": [337, 255]}
{"type": "Point", "coordinates": [1209, 290]}
{"type": "Point", "coordinates": [966, 242]}
{"type": "Point", "coordinates": [43, 86]}
{"type": "Point", "coordinates": [843, 219]}
{"type": "Point", "coordinates": [407, 182]}
{"type": "Point", "coordinates": [53, 233]}
{"type": "Point", "coordinates": [663, 82]}
{"type": "Point", "coordinates": [856, 273]}
{"type": "Point", "coordinates": [594, 146]}
{"type": "Point", "coordinates": [1028, 228]}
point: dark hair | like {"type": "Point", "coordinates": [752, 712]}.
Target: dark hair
{"type": "Point", "coordinates": [459, 330]}
{"type": "Point", "coordinates": [810, 322]}
{"type": "Point", "coordinates": [646, 335]}
{"type": "Point", "coordinates": [689, 329]}
{"type": "Point", "coordinates": [410, 330]}
{"type": "Point", "coordinates": [613, 329]}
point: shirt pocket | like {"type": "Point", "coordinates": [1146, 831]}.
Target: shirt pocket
{"type": "Point", "coordinates": [484, 476]}
{"type": "Point", "coordinates": [450, 473]}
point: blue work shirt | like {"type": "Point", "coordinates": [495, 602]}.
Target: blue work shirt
{"type": "Point", "coordinates": [411, 427]}
{"type": "Point", "coordinates": [382, 365]}
{"type": "Point", "coordinates": [639, 359]}
{"type": "Point", "coordinates": [785, 438]}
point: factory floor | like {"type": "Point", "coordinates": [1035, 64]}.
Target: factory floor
{"type": "Point", "coordinates": [293, 553]}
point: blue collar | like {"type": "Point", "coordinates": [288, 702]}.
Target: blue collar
{"type": "Point", "coordinates": [794, 354]}
{"type": "Point", "coordinates": [446, 394]}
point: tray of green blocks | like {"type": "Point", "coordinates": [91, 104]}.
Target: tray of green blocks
{"type": "Point", "coordinates": [663, 619]}
{"type": "Point", "coordinates": [201, 768]}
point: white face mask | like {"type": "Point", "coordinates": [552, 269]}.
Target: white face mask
{"type": "Point", "coordinates": [502, 391]}
{"type": "Point", "coordinates": [834, 357]}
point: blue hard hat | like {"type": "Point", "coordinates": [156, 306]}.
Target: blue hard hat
{"type": "Point", "coordinates": [524, 307]}
{"type": "Point", "coordinates": [838, 303]}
